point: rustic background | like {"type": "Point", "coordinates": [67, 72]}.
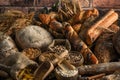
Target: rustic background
{"type": "Point", "coordinates": [106, 3]}
{"type": "Point", "coordinates": [25, 5]}
{"type": "Point", "coordinates": [29, 3]}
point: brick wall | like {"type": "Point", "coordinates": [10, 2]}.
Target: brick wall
{"type": "Point", "coordinates": [26, 4]}
{"type": "Point", "coordinates": [107, 3]}
{"type": "Point", "coordinates": [96, 3]}
{"type": "Point", "coordinates": [37, 2]}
